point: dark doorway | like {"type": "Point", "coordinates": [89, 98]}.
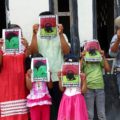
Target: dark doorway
{"type": "Point", "coordinates": [105, 22]}
{"type": "Point", "coordinates": [65, 20]}
{"type": "Point", "coordinates": [63, 7]}
{"type": "Point", "coordinates": [2, 16]}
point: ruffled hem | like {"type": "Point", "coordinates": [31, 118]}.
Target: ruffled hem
{"type": "Point", "coordinates": [33, 97]}
{"type": "Point", "coordinates": [39, 103]}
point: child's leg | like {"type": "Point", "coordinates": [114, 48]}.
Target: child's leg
{"type": "Point", "coordinates": [35, 113]}
{"type": "Point", "coordinates": [45, 112]}
{"type": "Point", "coordinates": [100, 104]}
{"type": "Point", "coordinates": [89, 98]}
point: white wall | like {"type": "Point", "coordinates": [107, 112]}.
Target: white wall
{"type": "Point", "coordinates": [25, 13]}
{"type": "Point", "coordinates": [85, 18]}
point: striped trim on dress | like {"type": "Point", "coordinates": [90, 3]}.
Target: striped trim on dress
{"type": "Point", "coordinates": [14, 107]}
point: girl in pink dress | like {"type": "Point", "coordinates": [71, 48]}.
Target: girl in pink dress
{"type": "Point", "coordinates": [38, 100]}
{"type": "Point", "coordinates": [72, 106]}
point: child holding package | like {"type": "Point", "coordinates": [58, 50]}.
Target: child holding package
{"type": "Point", "coordinates": [72, 105]}
{"type": "Point", "coordinates": [12, 77]}
{"type": "Point", "coordinates": [39, 99]}
{"type": "Point", "coordinates": [94, 76]}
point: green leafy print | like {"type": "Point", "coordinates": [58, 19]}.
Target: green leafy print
{"type": "Point", "coordinates": [41, 72]}
{"type": "Point", "coordinates": [13, 43]}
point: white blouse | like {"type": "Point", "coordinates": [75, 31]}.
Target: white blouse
{"type": "Point", "coordinates": [71, 91]}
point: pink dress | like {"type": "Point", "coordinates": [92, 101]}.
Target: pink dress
{"type": "Point", "coordinates": [72, 106]}
{"type": "Point", "coordinates": [39, 95]}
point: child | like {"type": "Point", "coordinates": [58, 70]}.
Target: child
{"type": "Point", "coordinates": [38, 100]}
{"type": "Point", "coordinates": [54, 48]}
{"type": "Point", "coordinates": [72, 106]}
{"type": "Point", "coordinates": [12, 84]}
{"type": "Point", "coordinates": [95, 83]}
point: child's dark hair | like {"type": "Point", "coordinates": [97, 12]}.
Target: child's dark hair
{"type": "Point", "coordinates": [71, 59]}
{"type": "Point", "coordinates": [46, 13]}
{"type": "Point", "coordinates": [28, 60]}
{"type": "Point", "coordinates": [36, 55]}
{"type": "Point", "coordinates": [12, 26]}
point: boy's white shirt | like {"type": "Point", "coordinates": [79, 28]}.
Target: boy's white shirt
{"type": "Point", "coordinates": [50, 46]}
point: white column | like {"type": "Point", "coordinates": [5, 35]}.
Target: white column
{"type": "Point", "coordinates": [85, 19]}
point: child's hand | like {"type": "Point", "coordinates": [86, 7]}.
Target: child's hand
{"type": "Point", "coordinates": [28, 74]}
{"type": "Point", "coordinates": [83, 53]}
{"type": "Point", "coordinates": [84, 84]}
{"type": "Point", "coordinates": [102, 53]}
{"type": "Point", "coordinates": [50, 83]}
{"type": "Point", "coordinates": [28, 79]}
{"type": "Point", "coordinates": [24, 42]}
{"type": "Point", "coordinates": [60, 28]}
{"type": "Point", "coordinates": [118, 34]}
{"type": "Point", "coordinates": [82, 76]}
{"type": "Point", "coordinates": [1, 43]}
{"type": "Point", "coordinates": [59, 75]}
{"type": "Point", "coordinates": [60, 81]}
{"type": "Point", "coordinates": [35, 28]}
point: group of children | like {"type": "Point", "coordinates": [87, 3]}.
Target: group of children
{"type": "Point", "coordinates": [73, 105]}
{"type": "Point", "coordinates": [77, 103]}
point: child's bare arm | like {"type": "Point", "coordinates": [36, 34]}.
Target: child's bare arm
{"type": "Point", "coordinates": [60, 82]}
{"type": "Point", "coordinates": [82, 59]}
{"type": "Point", "coordinates": [106, 64]}
{"type": "Point", "coordinates": [115, 46]}
{"type": "Point", "coordinates": [60, 86]}
{"type": "Point", "coordinates": [34, 45]}
{"type": "Point", "coordinates": [1, 59]}
{"type": "Point", "coordinates": [27, 51]}
{"type": "Point", "coordinates": [64, 45]}
{"type": "Point", "coordinates": [28, 79]}
{"type": "Point", "coordinates": [50, 84]}
{"type": "Point", "coordinates": [27, 48]}
{"type": "Point", "coordinates": [83, 83]}
{"type": "Point", "coordinates": [1, 52]}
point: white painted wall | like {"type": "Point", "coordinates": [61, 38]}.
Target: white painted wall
{"type": "Point", "coordinates": [25, 13]}
{"type": "Point", "coordinates": [85, 18]}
